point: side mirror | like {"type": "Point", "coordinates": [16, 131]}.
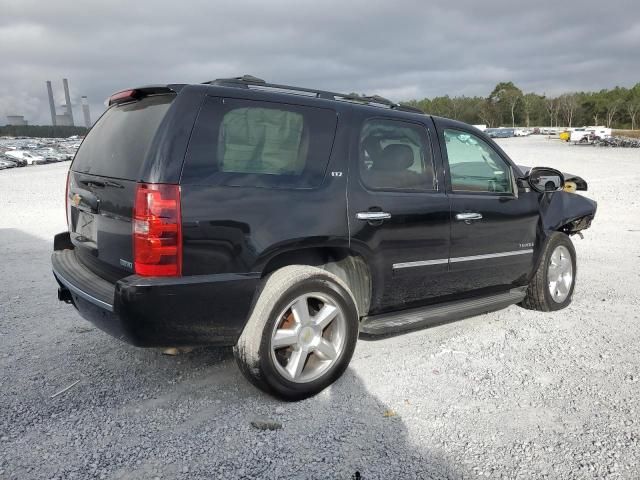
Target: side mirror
{"type": "Point", "coordinates": [543, 179]}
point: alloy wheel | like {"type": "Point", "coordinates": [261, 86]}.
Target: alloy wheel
{"type": "Point", "coordinates": [308, 337]}
{"type": "Point", "coordinates": [560, 274]}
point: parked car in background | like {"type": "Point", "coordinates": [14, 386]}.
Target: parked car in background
{"type": "Point", "coordinates": [589, 134]}
{"type": "Point", "coordinates": [53, 156]}
{"type": "Point", "coordinates": [4, 164]}
{"type": "Point", "coordinates": [30, 158]}
{"type": "Point", "coordinates": [18, 162]}
{"type": "Point", "coordinates": [500, 132]}
{"type": "Point", "coordinates": [47, 150]}
{"type": "Point", "coordinates": [579, 135]}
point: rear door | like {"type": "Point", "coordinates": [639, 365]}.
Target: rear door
{"type": "Point", "coordinates": [398, 211]}
{"type": "Point", "coordinates": [493, 226]}
{"type": "Point", "coordinates": [102, 184]}
{"type": "Point", "coordinates": [255, 182]}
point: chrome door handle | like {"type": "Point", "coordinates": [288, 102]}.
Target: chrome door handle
{"type": "Point", "coordinates": [468, 216]}
{"type": "Point", "coordinates": [373, 216]}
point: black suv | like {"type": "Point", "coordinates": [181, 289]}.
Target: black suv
{"type": "Point", "coordinates": [286, 222]}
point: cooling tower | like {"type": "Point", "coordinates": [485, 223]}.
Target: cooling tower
{"type": "Point", "coordinates": [52, 104]}
{"type": "Point", "coordinates": [67, 99]}
{"type": "Point", "coordinates": [85, 112]}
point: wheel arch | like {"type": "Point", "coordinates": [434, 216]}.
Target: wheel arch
{"type": "Point", "coordinates": [545, 237]}
{"type": "Point", "coordinates": [345, 263]}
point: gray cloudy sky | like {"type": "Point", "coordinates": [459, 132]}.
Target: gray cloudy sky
{"type": "Point", "coordinates": [398, 49]}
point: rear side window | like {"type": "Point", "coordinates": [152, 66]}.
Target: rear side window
{"type": "Point", "coordinates": [118, 143]}
{"type": "Point", "coordinates": [264, 144]}
{"type": "Point", "coordinates": [395, 155]}
{"type": "Point", "coordinates": [262, 140]}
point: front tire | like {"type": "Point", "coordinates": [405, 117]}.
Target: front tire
{"type": "Point", "coordinates": [301, 333]}
{"type": "Point", "coordinates": [551, 288]}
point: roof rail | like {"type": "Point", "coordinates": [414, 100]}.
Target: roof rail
{"type": "Point", "coordinates": [249, 81]}
{"type": "Point", "coordinates": [410, 109]}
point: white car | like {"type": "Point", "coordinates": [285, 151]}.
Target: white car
{"type": "Point", "coordinates": [30, 158]}
{"type": "Point", "coordinates": [579, 135]}
{"type": "Point", "coordinates": [589, 134]}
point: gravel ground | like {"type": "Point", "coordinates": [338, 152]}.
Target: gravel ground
{"type": "Point", "coordinates": [512, 394]}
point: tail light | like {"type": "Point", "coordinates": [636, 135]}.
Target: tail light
{"type": "Point", "coordinates": [157, 230]}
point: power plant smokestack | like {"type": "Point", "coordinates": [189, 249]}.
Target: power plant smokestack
{"type": "Point", "coordinates": [52, 104]}
{"type": "Point", "coordinates": [85, 112]}
{"type": "Point", "coordinates": [67, 97]}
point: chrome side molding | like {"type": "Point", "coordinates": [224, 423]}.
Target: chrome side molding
{"type": "Point", "coordinates": [440, 261]}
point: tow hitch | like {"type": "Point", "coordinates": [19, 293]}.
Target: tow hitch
{"type": "Point", "coordinates": [64, 295]}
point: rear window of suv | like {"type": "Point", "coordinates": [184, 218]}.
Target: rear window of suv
{"type": "Point", "coordinates": [264, 144]}
{"type": "Point", "coordinates": [118, 143]}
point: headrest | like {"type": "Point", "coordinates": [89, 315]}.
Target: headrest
{"type": "Point", "coordinates": [395, 157]}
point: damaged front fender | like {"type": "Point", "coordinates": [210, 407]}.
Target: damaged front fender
{"type": "Point", "coordinates": [562, 211]}
{"type": "Point", "coordinates": [566, 212]}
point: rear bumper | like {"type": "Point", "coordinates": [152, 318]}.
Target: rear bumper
{"type": "Point", "coordinates": [156, 311]}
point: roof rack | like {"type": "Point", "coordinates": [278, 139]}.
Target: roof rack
{"type": "Point", "coordinates": [255, 83]}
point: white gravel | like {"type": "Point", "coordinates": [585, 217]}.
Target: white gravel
{"type": "Point", "coordinates": [512, 394]}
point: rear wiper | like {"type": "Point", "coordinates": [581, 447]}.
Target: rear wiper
{"type": "Point", "coordinates": [100, 184]}
{"type": "Point", "coordinates": [109, 183]}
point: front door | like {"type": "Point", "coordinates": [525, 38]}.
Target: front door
{"type": "Point", "coordinates": [493, 227]}
{"type": "Point", "coordinates": [398, 211]}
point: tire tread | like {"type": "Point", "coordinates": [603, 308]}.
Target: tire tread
{"type": "Point", "coordinates": [536, 297]}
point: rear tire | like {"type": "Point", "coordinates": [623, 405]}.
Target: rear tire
{"type": "Point", "coordinates": [301, 333]}
{"type": "Point", "coordinates": [551, 288]}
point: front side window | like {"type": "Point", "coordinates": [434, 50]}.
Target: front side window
{"type": "Point", "coordinates": [474, 166]}
{"type": "Point", "coordinates": [395, 155]}
{"type": "Point", "coordinates": [254, 143]}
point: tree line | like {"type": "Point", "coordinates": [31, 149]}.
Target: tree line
{"type": "Point", "coordinates": [508, 105]}
{"type": "Point", "coordinates": [43, 131]}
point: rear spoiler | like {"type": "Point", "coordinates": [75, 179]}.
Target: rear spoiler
{"type": "Point", "coordinates": [134, 94]}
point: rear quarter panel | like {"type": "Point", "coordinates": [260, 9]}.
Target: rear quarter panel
{"type": "Point", "coordinates": [237, 230]}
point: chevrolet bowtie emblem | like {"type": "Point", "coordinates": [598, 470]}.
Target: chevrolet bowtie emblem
{"type": "Point", "coordinates": [76, 199]}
